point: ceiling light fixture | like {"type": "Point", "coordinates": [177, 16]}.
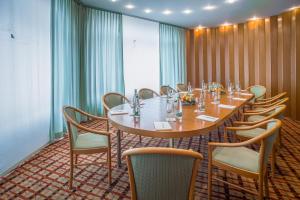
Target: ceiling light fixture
{"type": "Point", "coordinates": [200, 27]}
{"type": "Point", "coordinates": [226, 24]}
{"type": "Point", "coordinates": [294, 8]}
{"type": "Point", "coordinates": [129, 6]}
{"type": "Point", "coordinates": [114, 0]}
{"type": "Point", "coordinates": [209, 7]}
{"type": "Point", "coordinates": [167, 12]}
{"type": "Point", "coordinates": [147, 10]}
{"type": "Point", "coordinates": [254, 18]}
{"type": "Point", "coordinates": [187, 11]}
{"type": "Point", "coordinates": [230, 1]}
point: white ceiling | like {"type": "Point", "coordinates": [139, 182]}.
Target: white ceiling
{"type": "Point", "coordinates": [236, 12]}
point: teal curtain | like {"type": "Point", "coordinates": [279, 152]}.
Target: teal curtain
{"type": "Point", "coordinates": [87, 59]}
{"type": "Point", "coordinates": [102, 67]}
{"type": "Point", "coordinates": [65, 36]}
{"type": "Point", "coordinates": [172, 42]}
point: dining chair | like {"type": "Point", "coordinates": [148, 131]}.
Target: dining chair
{"type": "Point", "coordinates": [146, 93]}
{"type": "Point", "coordinates": [274, 98]}
{"type": "Point", "coordinates": [261, 106]}
{"type": "Point", "coordinates": [259, 92]}
{"type": "Point", "coordinates": [275, 112]}
{"type": "Point", "coordinates": [238, 158]}
{"type": "Point", "coordinates": [112, 99]}
{"type": "Point", "coordinates": [92, 141]}
{"type": "Point", "coordinates": [181, 87]}
{"type": "Point", "coordinates": [164, 89]}
{"type": "Point", "coordinates": [162, 173]}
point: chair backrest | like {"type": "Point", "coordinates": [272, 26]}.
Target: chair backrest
{"type": "Point", "coordinates": [268, 139]}
{"type": "Point", "coordinates": [276, 112]}
{"type": "Point", "coordinates": [259, 91]}
{"type": "Point", "coordinates": [71, 116]}
{"type": "Point", "coordinates": [181, 87]}
{"type": "Point", "coordinates": [165, 88]}
{"type": "Point", "coordinates": [278, 102]}
{"type": "Point", "coordinates": [146, 93]}
{"type": "Point", "coordinates": [162, 173]}
{"type": "Point", "coordinates": [112, 99]}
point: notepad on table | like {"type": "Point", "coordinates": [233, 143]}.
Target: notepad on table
{"type": "Point", "coordinates": [207, 118]}
{"type": "Point", "coordinates": [162, 126]}
{"type": "Point", "coordinates": [239, 99]}
{"type": "Point", "coordinates": [118, 112]}
{"type": "Point", "coordinates": [246, 94]}
{"type": "Point", "coordinates": [227, 106]}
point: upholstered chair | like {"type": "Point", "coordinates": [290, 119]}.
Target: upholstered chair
{"type": "Point", "coordinates": [181, 87]}
{"type": "Point", "coordinates": [242, 133]}
{"type": "Point", "coordinates": [165, 88]}
{"type": "Point", "coordinates": [261, 106]}
{"type": "Point", "coordinates": [146, 93]}
{"type": "Point", "coordinates": [162, 173]}
{"type": "Point", "coordinates": [85, 140]}
{"type": "Point", "coordinates": [238, 158]}
{"type": "Point", "coordinates": [259, 92]}
{"type": "Point", "coordinates": [112, 99]}
{"type": "Point", "coordinates": [272, 99]}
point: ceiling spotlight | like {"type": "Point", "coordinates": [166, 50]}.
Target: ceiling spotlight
{"type": "Point", "coordinates": [254, 18]}
{"type": "Point", "coordinates": [226, 24]}
{"type": "Point", "coordinates": [167, 12]}
{"type": "Point", "coordinates": [114, 0]}
{"type": "Point", "coordinates": [129, 6]}
{"type": "Point", "coordinates": [209, 7]}
{"type": "Point", "coordinates": [294, 8]}
{"type": "Point", "coordinates": [187, 11]}
{"type": "Point", "coordinates": [147, 10]}
{"type": "Point", "coordinates": [230, 1]}
{"type": "Point", "coordinates": [200, 27]}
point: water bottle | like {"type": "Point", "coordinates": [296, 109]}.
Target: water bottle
{"type": "Point", "coordinates": [190, 88]}
{"type": "Point", "coordinates": [136, 104]}
{"type": "Point", "coordinates": [179, 109]}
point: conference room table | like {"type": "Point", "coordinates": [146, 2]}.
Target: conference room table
{"type": "Point", "coordinates": [155, 110]}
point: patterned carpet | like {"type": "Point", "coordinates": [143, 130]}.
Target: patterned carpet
{"type": "Point", "coordinates": [45, 175]}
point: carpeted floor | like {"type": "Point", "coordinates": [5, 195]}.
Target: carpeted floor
{"type": "Point", "coordinates": [45, 175]}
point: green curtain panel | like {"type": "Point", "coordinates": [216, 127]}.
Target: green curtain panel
{"type": "Point", "coordinates": [102, 67]}
{"type": "Point", "coordinates": [87, 59]}
{"type": "Point", "coordinates": [172, 42]}
{"type": "Point", "coordinates": [65, 61]}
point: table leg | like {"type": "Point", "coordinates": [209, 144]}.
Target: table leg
{"type": "Point", "coordinates": [171, 142]}
{"type": "Point", "coordinates": [119, 148]}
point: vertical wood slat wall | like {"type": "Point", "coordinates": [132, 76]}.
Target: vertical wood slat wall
{"type": "Point", "coordinates": [264, 51]}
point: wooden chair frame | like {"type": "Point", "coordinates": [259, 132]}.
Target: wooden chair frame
{"type": "Point", "coordinates": [165, 86]}
{"type": "Point", "coordinates": [266, 105]}
{"type": "Point", "coordinates": [261, 176]}
{"type": "Point", "coordinates": [147, 89]}
{"type": "Point", "coordinates": [255, 98]}
{"type": "Point", "coordinates": [75, 152]}
{"type": "Point", "coordinates": [274, 98]}
{"type": "Point", "coordinates": [165, 151]}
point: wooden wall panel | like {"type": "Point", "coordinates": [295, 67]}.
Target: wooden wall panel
{"type": "Point", "coordinates": [264, 51]}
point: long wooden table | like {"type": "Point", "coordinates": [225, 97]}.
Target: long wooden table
{"type": "Point", "coordinates": [154, 110]}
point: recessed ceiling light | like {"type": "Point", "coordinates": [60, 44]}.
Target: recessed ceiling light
{"type": "Point", "coordinates": [254, 18]}
{"type": "Point", "coordinates": [294, 8]}
{"type": "Point", "coordinates": [147, 10]}
{"type": "Point", "coordinates": [187, 11]}
{"type": "Point", "coordinates": [209, 7]}
{"type": "Point", "coordinates": [129, 6]}
{"type": "Point", "coordinates": [114, 0]}
{"type": "Point", "coordinates": [167, 12]}
{"type": "Point", "coordinates": [230, 1]}
{"type": "Point", "coordinates": [226, 24]}
{"type": "Point", "coordinates": [200, 27]}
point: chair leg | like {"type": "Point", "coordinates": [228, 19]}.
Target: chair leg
{"type": "Point", "coordinates": [266, 184]}
{"type": "Point", "coordinates": [71, 172]}
{"type": "Point", "coordinates": [140, 139]}
{"type": "Point", "coordinates": [273, 161]}
{"type": "Point", "coordinates": [76, 158]}
{"type": "Point", "coordinates": [260, 187]}
{"type": "Point", "coordinates": [109, 165]}
{"type": "Point", "coordinates": [209, 179]}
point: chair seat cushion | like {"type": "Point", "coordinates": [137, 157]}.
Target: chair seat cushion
{"type": "Point", "coordinates": [91, 140]}
{"type": "Point", "coordinates": [239, 157]}
{"type": "Point", "coordinates": [255, 118]}
{"type": "Point", "coordinates": [250, 133]}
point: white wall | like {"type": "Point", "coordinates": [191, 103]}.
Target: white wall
{"type": "Point", "coordinates": [24, 79]}
{"type": "Point", "coordinates": [141, 54]}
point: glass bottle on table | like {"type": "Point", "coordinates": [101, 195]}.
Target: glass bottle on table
{"type": "Point", "coordinates": [201, 102]}
{"type": "Point", "coordinates": [238, 87]}
{"type": "Point", "coordinates": [190, 90]}
{"type": "Point", "coordinates": [136, 105]}
{"type": "Point", "coordinates": [179, 109]}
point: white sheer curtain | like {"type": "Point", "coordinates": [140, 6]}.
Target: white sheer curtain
{"type": "Point", "coordinates": [24, 79]}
